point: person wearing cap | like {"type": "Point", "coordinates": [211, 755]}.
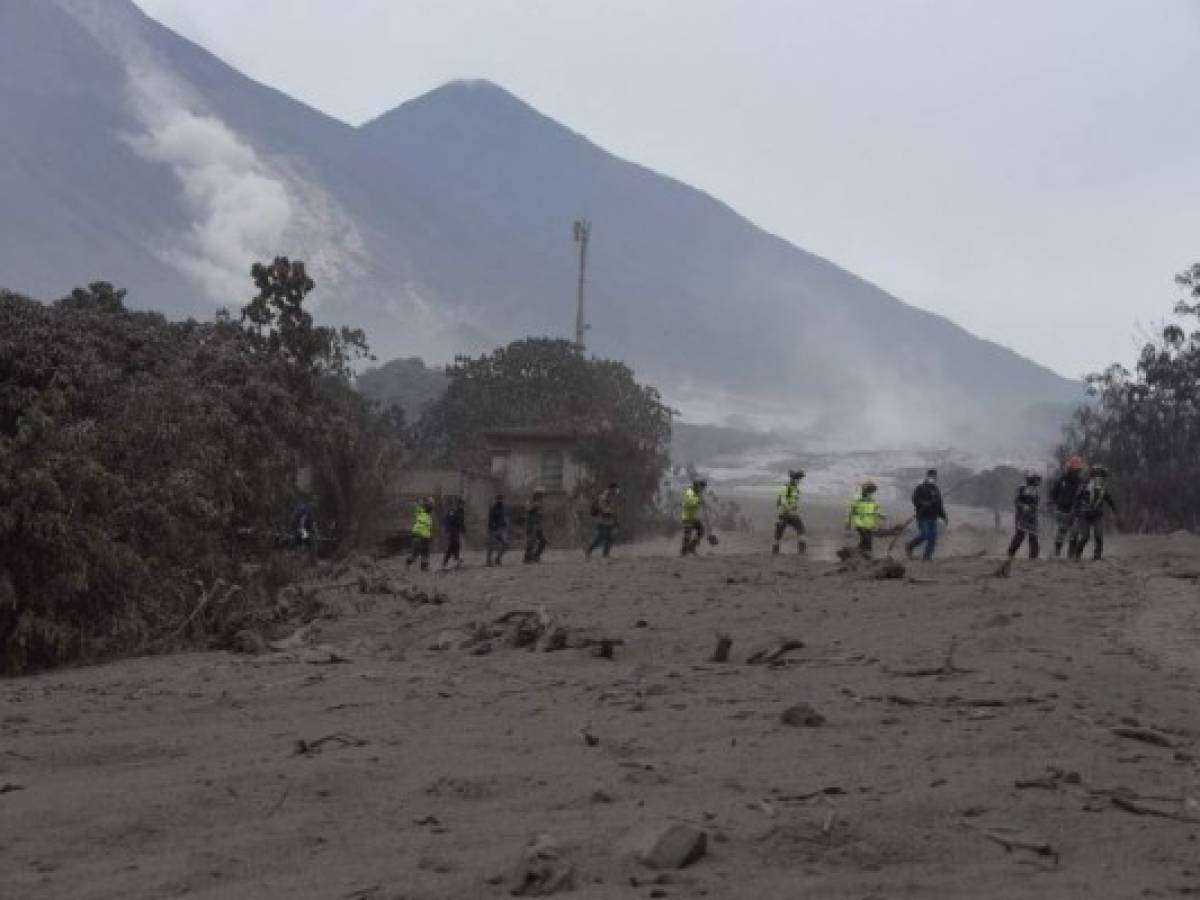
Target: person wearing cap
{"type": "Point", "coordinates": [604, 511]}
{"type": "Point", "coordinates": [927, 509]}
{"type": "Point", "coordinates": [692, 517]}
{"type": "Point", "coordinates": [422, 535]}
{"type": "Point", "coordinates": [1063, 495]}
{"type": "Point", "coordinates": [865, 516]}
{"type": "Point", "coordinates": [497, 532]}
{"type": "Point", "coordinates": [535, 537]}
{"type": "Point", "coordinates": [787, 510]}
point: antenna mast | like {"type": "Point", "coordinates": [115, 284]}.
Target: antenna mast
{"type": "Point", "coordinates": [583, 232]}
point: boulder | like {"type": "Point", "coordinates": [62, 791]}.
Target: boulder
{"type": "Point", "coordinates": [677, 846]}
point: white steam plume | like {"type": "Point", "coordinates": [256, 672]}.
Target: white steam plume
{"type": "Point", "coordinates": [243, 205]}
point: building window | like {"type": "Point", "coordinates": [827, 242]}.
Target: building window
{"type": "Point", "coordinates": [552, 470]}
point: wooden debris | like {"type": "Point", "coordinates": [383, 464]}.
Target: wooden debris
{"type": "Point", "coordinates": [721, 653]}
{"type": "Point", "coordinates": [775, 653]}
{"type": "Point", "coordinates": [1010, 840]}
{"type": "Point", "coordinates": [830, 791]}
{"type": "Point", "coordinates": [1145, 735]}
{"type": "Point", "coordinates": [1145, 806]}
{"type": "Point", "coordinates": [307, 748]}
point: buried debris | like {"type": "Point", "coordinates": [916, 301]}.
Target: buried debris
{"type": "Point", "coordinates": [1010, 840]}
{"type": "Point", "coordinates": [527, 629]}
{"type": "Point", "coordinates": [1185, 809]}
{"type": "Point", "coordinates": [802, 715]}
{"type": "Point", "coordinates": [775, 653]}
{"type": "Point", "coordinates": [721, 653]}
{"type": "Point", "coordinates": [542, 869]}
{"type": "Point", "coordinates": [1145, 735]}
{"type": "Point", "coordinates": [339, 738]}
{"type": "Point", "coordinates": [854, 563]}
{"type": "Point", "coordinates": [947, 667]}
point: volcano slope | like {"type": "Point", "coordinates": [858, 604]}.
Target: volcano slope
{"type": "Point", "coordinates": [1030, 736]}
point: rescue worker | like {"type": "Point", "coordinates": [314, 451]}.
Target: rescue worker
{"type": "Point", "coordinates": [865, 516]}
{"type": "Point", "coordinates": [497, 532]}
{"type": "Point", "coordinates": [1063, 495]}
{"type": "Point", "coordinates": [422, 535]}
{"type": "Point", "coordinates": [693, 517]}
{"type": "Point", "coordinates": [604, 511]}
{"type": "Point", "coordinates": [535, 537]}
{"type": "Point", "coordinates": [927, 509]}
{"type": "Point", "coordinates": [787, 509]}
{"type": "Point", "coordinates": [455, 523]}
{"type": "Point", "coordinates": [1027, 503]}
{"type": "Point", "coordinates": [1089, 513]}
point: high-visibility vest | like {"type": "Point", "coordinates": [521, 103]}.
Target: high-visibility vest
{"type": "Point", "coordinates": [423, 523]}
{"type": "Point", "coordinates": [789, 500]}
{"type": "Point", "coordinates": [864, 513]}
{"type": "Point", "coordinates": [692, 504]}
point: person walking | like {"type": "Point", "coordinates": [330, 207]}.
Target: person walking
{"type": "Point", "coordinates": [692, 517]}
{"type": "Point", "coordinates": [604, 511]}
{"type": "Point", "coordinates": [1089, 513]}
{"type": "Point", "coordinates": [422, 535]}
{"type": "Point", "coordinates": [455, 523]}
{"type": "Point", "coordinates": [304, 529]}
{"type": "Point", "coordinates": [497, 532]}
{"type": "Point", "coordinates": [1028, 503]}
{"type": "Point", "coordinates": [787, 512]}
{"type": "Point", "coordinates": [535, 537]}
{"type": "Point", "coordinates": [865, 516]}
{"type": "Point", "coordinates": [927, 509]}
{"type": "Point", "coordinates": [1063, 495]}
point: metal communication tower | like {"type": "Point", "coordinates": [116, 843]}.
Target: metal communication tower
{"type": "Point", "coordinates": [583, 232]}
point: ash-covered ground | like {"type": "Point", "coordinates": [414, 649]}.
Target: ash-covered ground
{"type": "Point", "coordinates": [942, 734]}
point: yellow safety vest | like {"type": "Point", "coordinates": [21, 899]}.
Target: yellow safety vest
{"type": "Point", "coordinates": [864, 513]}
{"type": "Point", "coordinates": [692, 504]}
{"type": "Point", "coordinates": [423, 523]}
{"type": "Point", "coordinates": [789, 500]}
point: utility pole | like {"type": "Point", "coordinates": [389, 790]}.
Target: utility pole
{"type": "Point", "coordinates": [583, 232]}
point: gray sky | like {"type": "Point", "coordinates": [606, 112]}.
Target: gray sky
{"type": "Point", "coordinates": [1029, 168]}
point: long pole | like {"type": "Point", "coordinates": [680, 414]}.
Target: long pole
{"type": "Point", "coordinates": [583, 231]}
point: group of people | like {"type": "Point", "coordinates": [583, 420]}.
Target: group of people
{"type": "Point", "coordinates": [1079, 499]}
{"type": "Point", "coordinates": [604, 512]}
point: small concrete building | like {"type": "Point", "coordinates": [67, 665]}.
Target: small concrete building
{"type": "Point", "coordinates": [525, 458]}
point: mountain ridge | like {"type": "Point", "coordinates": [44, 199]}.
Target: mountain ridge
{"type": "Point", "coordinates": [443, 225]}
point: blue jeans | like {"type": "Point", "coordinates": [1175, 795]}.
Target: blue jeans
{"type": "Point", "coordinates": [927, 533]}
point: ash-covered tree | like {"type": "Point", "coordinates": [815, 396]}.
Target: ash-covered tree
{"type": "Point", "coordinates": [624, 426]}
{"type": "Point", "coordinates": [1145, 424]}
{"type": "Point", "coordinates": [137, 455]}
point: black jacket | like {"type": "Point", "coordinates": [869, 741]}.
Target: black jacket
{"type": "Point", "coordinates": [456, 520]}
{"type": "Point", "coordinates": [1091, 500]}
{"type": "Point", "coordinates": [497, 517]}
{"type": "Point", "coordinates": [1065, 492]}
{"type": "Point", "coordinates": [1027, 502]}
{"type": "Point", "coordinates": [927, 501]}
